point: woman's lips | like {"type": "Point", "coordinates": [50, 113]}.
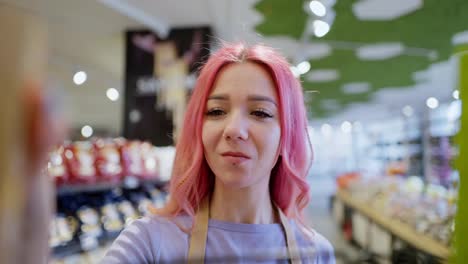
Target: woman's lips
{"type": "Point", "coordinates": [235, 157]}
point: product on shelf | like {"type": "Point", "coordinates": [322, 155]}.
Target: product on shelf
{"type": "Point", "coordinates": [90, 223]}
{"type": "Point", "coordinates": [108, 161]}
{"type": "Point", "coordinates": [56, 167]}
{"type": "Point", "coordinates": [108, 164]}
{"type": "Point", "coordinates": [132, 158]}
{"type": "Point", "coordinates": [128, 212]}
{"type": "Point", "coordinates": [60, 231]}
{"type": "Point", "coordinates": [110, 218]}
{"type": "Point", "coordinates": [158, 197]}
{"type": "Point", "coordinates": [429, 208]}
{"type": "Point", "coordinates": [80, 157]}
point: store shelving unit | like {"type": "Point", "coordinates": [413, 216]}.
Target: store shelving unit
{"type": "Point", "coordinates": [397, 229]}
{"type": "Point", "coordinates": [96, 192]}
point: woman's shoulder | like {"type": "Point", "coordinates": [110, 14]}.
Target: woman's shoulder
{"type": "Point", "coordinates": [315, 243]}
{"type": "Point", "coordinates": [141, 241]}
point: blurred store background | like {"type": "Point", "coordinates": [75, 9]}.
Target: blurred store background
{"type": "Point", "coordinates": [381, 83]}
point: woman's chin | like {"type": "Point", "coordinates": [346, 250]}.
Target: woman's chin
{"type": "Point", "coordinates": [234, 181]}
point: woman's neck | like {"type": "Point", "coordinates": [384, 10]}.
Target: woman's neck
{"type": "Point", "coordinates": [249, 205]}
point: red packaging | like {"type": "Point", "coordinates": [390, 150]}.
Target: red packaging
{"type": "Point", "coordinates": [56, 168]}
{"type": "Point", "coordinates": [131, 157]}
{"type": "Point", "coordinates": [80, 159]}
{"type": "Point", "coordinates": [108, 165]}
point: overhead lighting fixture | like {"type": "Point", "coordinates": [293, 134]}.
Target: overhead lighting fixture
{"type": "Point", "coordinates": [86, 131]}
{"type": "Point", "coordinates": [460, 38]}
{"type": "Point", "coordinates": [381, 51]}
{"type": "Point", "coordinates": [134, 116]}
{"type": "Point", "coordinates": [346, 127]}
{"type": "Point", "coordinates": [456, 94]}
{"type": "Point", "coordinates": [384, 10]}
{"type": "Point", "coordinates": [432, 102]}
{"type": "Point", "coordinates": [295, 71]}
{"type": "Point", "coordinates": [407, 111]}
{"type": "Point", "coordinates": [79, 77]}
{"type": "Point", "coordinates": [323, 75]}
{"type": "Point", "coordinates": [356, 88]}
{"type": "Point", "coordinates": [317, 8]}
{"type": "Point", "coordinates": [303, 67]}
{"type": "Point", "coordinates": [321, 28]}
{"type": "Point", "coordinates": [112, 94]}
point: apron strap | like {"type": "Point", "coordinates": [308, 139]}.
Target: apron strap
{"type": "Point", "coordinates": [199, 235]}
{"type": "Point", "coordinates": [293, 250]}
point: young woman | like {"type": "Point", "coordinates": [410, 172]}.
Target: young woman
{"type": "Point", "coordinates": [238, 185]}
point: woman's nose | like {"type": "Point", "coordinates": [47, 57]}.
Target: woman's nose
{"type": "Point", "coordinates": [236, 127]}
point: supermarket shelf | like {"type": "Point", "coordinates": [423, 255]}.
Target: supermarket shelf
{"type": "Point", "coordinates": [397, 228]}
{"type": "Point", "coordinates": [128, 183]}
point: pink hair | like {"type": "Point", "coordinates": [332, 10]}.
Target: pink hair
{"type": "Point", "coordinates": [191, 176]}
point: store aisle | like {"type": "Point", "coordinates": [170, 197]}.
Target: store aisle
{"type": "Point", "coordinates": [318, 215]}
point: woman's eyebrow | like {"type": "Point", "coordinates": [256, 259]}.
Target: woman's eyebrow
{"type": "Point", "coordinates": [262, 98]}
{"type": "Point", "coordinates": [254, 97]}
{"type": "Point", "coordinates": [218, 97]}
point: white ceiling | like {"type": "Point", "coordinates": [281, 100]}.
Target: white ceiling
{"type": "Point", "coordinates": [89, 35]}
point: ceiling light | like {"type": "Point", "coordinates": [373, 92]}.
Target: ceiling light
{"type": "Point", "coordinates": [381, 51]}
{"type": "Point", "coordinates": [432, 102]}
{"type": "Point", "coordinates": [407, 111]}
{"type": "Point", "coordinates": [317, 8]}
{"type": "Point", "coordinates": [324, 75]}
{"type": "Point", "coordinates": [456, 94]}
{"type": "Point", "coordinates": [346, 127]}
{"type": "Point", "coordinates": [355, 88]}
{"type": "Point", "coordinates": [303, 67]}
{"type": "Point", "coordinates": [112, 94]}
{"type": "Point", "coordinates": [295, 71]}
{"type": "Point", "coordinates": [321, 28]}
{"type": "Point", "coordinates": [385, 10]}
{"type": "Point", "coordinates": [79, 78]}
{"type": "Point", "coordinates": [460, 38]}
{"type": "Point", "coordinates": [135, 116]}
{"type": "Point", "coordinates": [86, 131]}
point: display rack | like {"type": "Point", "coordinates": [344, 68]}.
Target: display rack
{"type": "Point", "coordinates": [127, 183]}
{"type": "Point", "coordinates": [396, 228]}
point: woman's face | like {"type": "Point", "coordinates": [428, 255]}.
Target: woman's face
{"type": "Point", "coordinates": [241, 128]}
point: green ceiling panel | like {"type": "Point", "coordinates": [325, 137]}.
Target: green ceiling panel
{"type": "Point", "coordinates": [430, 28]}
{"type": "Point", "coordinates": [282, 17]}
{"type": "Point", "coordinates": [392, 72]}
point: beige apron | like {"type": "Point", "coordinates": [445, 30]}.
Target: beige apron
{"type": "Point", "coordinates": [200, 232]}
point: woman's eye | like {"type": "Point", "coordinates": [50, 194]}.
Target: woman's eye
{"type": "Point", "coordinates": [215, 112]}
{"type": "Point", "coordinates": [261, 114]}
